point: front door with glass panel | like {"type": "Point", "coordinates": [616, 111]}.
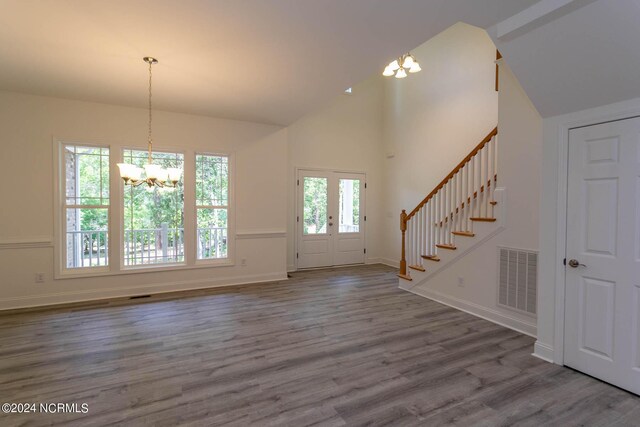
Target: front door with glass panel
{"type": "Point", "coordinates": [330, 218]}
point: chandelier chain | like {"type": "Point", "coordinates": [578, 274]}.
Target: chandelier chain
{"type": "Point", "coordinates": [150, 114]}
{"type": "Point", "coordinates": [155, 174]}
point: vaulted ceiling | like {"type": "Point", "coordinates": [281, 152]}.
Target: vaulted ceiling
{"type": "Point", "coordinates": [579, 55]}
{"type": "Point", "coordinates": [267, 61]}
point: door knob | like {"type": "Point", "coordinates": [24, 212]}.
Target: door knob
{"type": "Point", "coordinates": [574, 263]}
{"type": "Point", "coordinates": [330, 224]}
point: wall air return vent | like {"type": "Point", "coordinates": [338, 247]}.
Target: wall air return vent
{"type": "Point", "coordinates": [518, 279]}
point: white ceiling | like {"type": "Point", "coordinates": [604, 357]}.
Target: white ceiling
{"type": "Point", "coordinates": [268, 61]}
{"type": "Point", "coordinates": [581, 56]}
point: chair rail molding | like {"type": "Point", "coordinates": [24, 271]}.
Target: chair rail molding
{"type": "Point", "coordinates": [265, 233]}
{"type": "Point", "coordinates": [27, 242]}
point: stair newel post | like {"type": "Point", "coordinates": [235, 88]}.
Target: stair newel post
{"type": "Point", "coordinates": [403, 229]}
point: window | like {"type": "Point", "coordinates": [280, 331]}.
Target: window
{"type": "Point", "coordinates": [212, 206]}
{"type": "Point", "coordinates": [349, 199]}
{"type": "Point", "coordinates": [315, 205]}
{"type": "Point", "coordinates": [153, 216]}
{"type": "Point", "coordinates": [86, 206]}
{"type": "Point", "coordinates": [150, 224]}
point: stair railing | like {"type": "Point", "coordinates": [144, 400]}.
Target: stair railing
{"type": "Point", "coordinates": [466, 193]}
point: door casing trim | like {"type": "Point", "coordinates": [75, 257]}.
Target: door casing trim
{"type": "Point", "coordinates": [297, 212]}
{"type": "Point", "coordinates": [558, 128]}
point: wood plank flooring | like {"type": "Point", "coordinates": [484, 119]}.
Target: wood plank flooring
{"type": "Point", "coordinates": [328, 347]}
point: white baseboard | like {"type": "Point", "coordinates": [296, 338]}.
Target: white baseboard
{"type": "Point", "coordinates": [494, 316]}
{"type": "Point", "coordinates": [100, 294]}
{"type": "Point", "coordinates": [385, 261]}
{"type": "Point", "coordinates": [543, 351]}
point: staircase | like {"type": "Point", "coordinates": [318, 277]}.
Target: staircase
{"type": "Point", "coordinates": [455, 217]}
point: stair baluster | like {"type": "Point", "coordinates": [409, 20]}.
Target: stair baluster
{"type": "Point", "coordinates": [464, 196]}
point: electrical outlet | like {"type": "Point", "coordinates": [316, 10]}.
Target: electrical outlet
{"type": "Point", "coordinates": [39, 278]}
{"type": "Point", "coordinates": [461, 282]}
{"type": "Point", "coordinates": [243, 262]}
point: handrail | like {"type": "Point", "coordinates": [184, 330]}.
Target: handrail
{"type": "Point", "coordinates": [422, 235]}
{"type": "Point", "coordinates": [455, 170]}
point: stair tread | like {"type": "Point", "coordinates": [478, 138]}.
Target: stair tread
{"type": "Point", "coordinates": [481, 219]}
{"type": "Point", "coordinates": [405, 277]}
{"type": "Point", "coordinates": [417, 267]}
{"type": "Point", "coordinates": [463, 233]}
{"type": "Point", "coordinates": [450, 247]}
{"type": "Point", "coordinates": [431, 257]}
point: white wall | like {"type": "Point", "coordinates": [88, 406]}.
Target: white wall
{"type": "Point", "coordinates": [27, 127]}
{"type": "Point", "coordinates": [432, 119]}
{"type": "Point", "coordinates": [346, 136]}
{"type": "Point", "coordinates": [519, 160]}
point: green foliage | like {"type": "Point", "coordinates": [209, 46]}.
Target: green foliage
{"type": "Point", "coordinates": [149, 207]}
{"type": "Point", "coordinates": [145, 207]}
{"type": "Point", "coordinates": [315, 205]}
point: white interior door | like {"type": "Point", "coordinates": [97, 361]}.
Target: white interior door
{"type": "Point", "coordinates": [330, 218]}
{"type": "Point", "coordinates": [602, 308]}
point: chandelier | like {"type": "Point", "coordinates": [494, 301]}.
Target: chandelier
{"type": "Point", "coordinates": [153, 174]}
{"type": "Point", "coordinates": [400, 66]}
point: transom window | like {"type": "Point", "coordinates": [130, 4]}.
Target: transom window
{"type": "Point", "coordinates": [86, 206]}
{"type": "Point", "coordinates": [153, 216]}
{"type": "Point", "coordinates": [212, 206]}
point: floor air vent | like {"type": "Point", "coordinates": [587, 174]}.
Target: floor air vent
{"type": "Point", "coordinates": [518, 279]}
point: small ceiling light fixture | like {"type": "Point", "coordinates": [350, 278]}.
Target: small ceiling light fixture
{"type": "Point", "coordinates": [399, 67]}
{"type": "Point", "coordinates": [154, 174]}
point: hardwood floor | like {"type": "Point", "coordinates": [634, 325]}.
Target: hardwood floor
{"type": "Point", "coordinates": [328, 347]}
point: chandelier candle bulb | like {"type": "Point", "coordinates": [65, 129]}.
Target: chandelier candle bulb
{"type": "Point", "coordinates": [174, 174]}
{"type": "Point", "coordinates": [126, 171]}
{"type": "Point", "coordinates": [153, 171]}
{"type": "Point", "coordinates": [136, 174]}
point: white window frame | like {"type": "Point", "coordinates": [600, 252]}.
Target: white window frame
{"type": "Point", "coordinates": [231, 233]}
{"type": "Point", "coordinates": [60, 214]}
{"type": "Point", "coordinates": [116, 213]}
{"type": "Point", "coordinates": [121, 223]}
